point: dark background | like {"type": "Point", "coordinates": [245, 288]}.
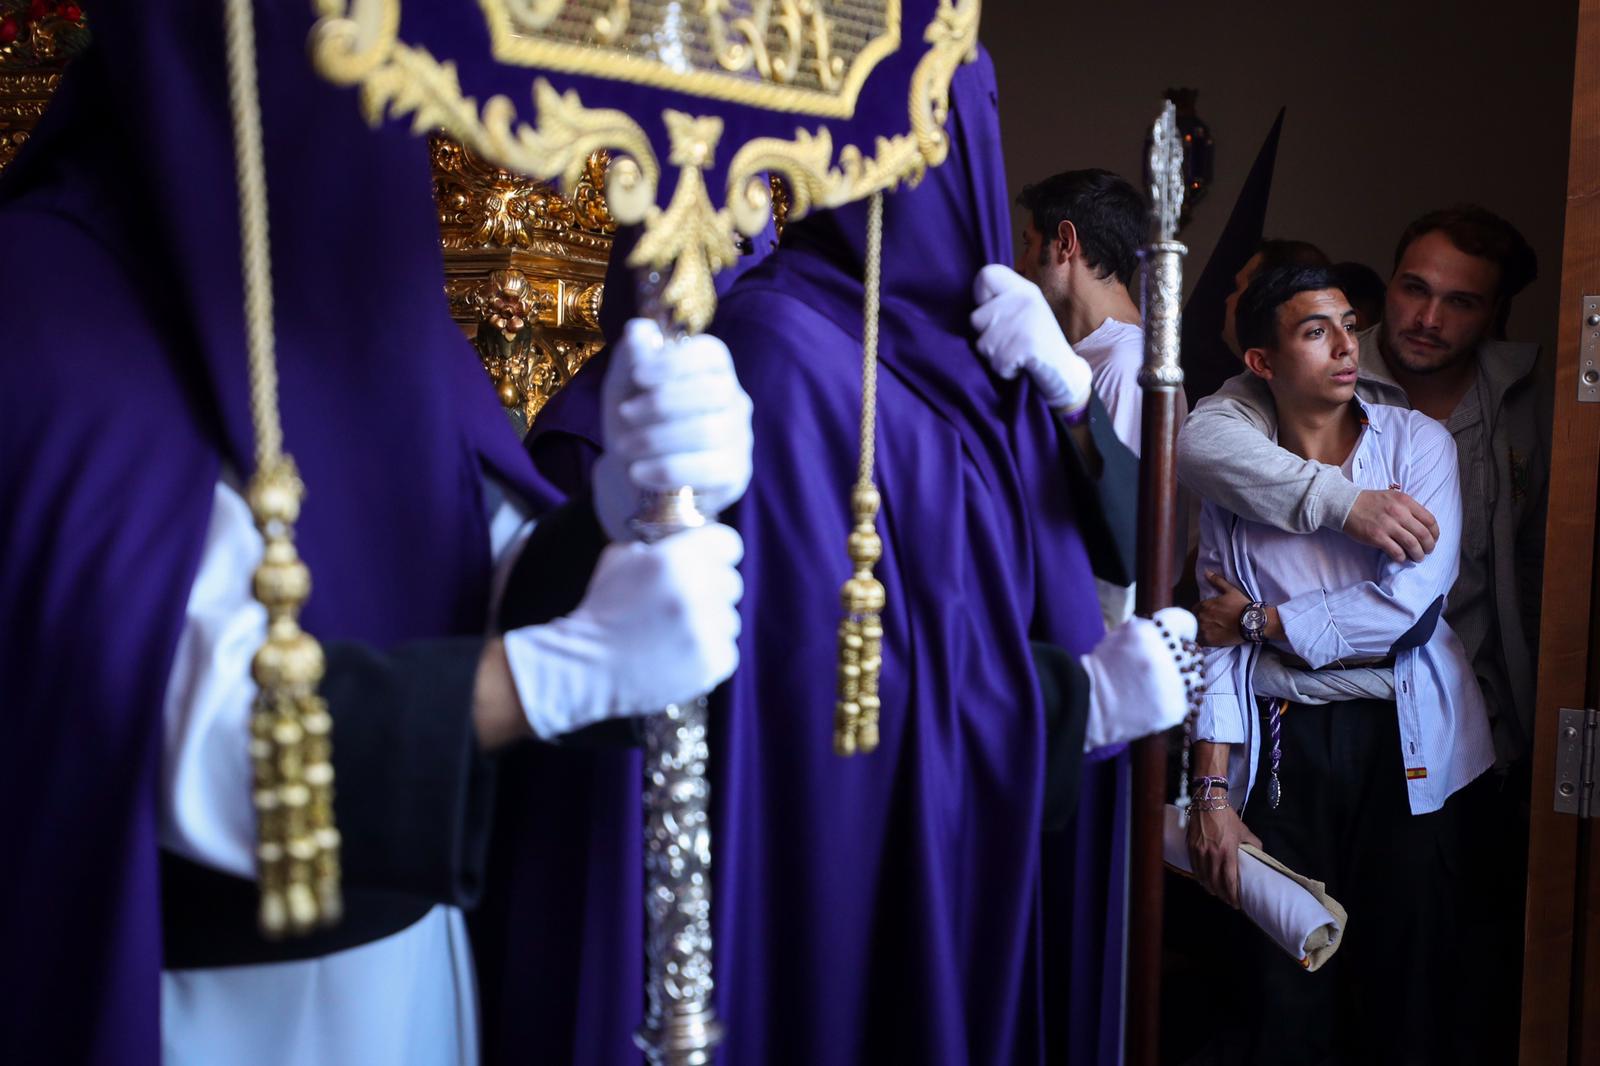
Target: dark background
{"type": "Point", "coordinates": [1395, 107]}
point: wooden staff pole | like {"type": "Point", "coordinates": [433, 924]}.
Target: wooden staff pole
{"type": "Point", "coordinates": [1161, 379]}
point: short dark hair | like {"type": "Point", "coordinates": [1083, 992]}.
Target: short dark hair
{"type": "Point", "coordinates": [1361, 284]}
{"type": "Point", "coordinates": [1276, 253]}
{"type": "Point", "coordinates": [1255, 319]}
{"type": "Point", "coordinates": [1109, 214]}
{"type": "Point", "coordinates": [1480, 232]}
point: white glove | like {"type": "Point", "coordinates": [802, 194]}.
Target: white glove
{"type": "Point", "coordinates": [674, 416]}
{"type": "Point", "coordinates": [659, 624]}
{"type": "Point", "coordinates": [1017, 331]}
{"type": "Point", "coordinates": [1135, 683]}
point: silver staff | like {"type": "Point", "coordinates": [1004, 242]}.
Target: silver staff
{"type": "Point", "coordinates": [680, 1026]}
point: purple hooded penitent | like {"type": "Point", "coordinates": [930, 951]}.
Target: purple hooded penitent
{"type": "Point", "coordinates": [122, 395]}
{"type": "Point", "coordinates": [897, 907]}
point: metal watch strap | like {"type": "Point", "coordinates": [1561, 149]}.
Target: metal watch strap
{"type": "Point", "coordinates": [1255, 610]}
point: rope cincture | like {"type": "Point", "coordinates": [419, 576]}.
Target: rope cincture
{"type": "Point", "coordinates": [855, 728]}
{"type": "Point", "coordinates": [297, 850]}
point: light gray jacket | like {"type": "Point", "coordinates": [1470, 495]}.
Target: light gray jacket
{"type": "Point", "coordinates": [1226, 453]}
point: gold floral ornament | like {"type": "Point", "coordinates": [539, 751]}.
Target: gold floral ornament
{"type": "Point", "coordinates": [689, 237]}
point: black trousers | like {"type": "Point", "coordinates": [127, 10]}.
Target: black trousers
{"type": "Point", "coordinates": [1344, 818]}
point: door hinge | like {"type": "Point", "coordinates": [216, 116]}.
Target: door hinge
{"type": "Point", "coordinates": [1589, 352]}
{"type": "Point", "coordinates": [1575, 761]}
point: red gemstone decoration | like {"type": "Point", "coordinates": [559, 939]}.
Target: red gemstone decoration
{"type": "Point", "coordinates": [8, 30]}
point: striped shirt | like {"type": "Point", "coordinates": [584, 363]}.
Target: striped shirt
{"type": "Point", "coordinates": [1342, 602]}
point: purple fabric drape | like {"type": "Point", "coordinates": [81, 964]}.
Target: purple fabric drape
{"type": "Point", "coordinates": [123, 393]}
{"type": "Point", "coordinates": [892, 907]}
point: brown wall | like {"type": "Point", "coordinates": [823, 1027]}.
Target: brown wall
{"type": "Point", "coordinates": [1394, 107]}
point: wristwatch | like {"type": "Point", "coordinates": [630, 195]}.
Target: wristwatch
{"type": "Point", "coordinates": [1253, 622]}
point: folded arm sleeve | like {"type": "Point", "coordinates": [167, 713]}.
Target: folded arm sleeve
{"type": "Point", "coordinates": [414, 791]}
{"type": "Point", "coordinates": [1226, 454]}
{"type": "Point", "coordinates": [1399, 609]}
{"type": "Point", "coordinates": [1064, 685]}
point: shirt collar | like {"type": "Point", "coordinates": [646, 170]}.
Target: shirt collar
{"type": "Point", "coordinates": [1361, 415]}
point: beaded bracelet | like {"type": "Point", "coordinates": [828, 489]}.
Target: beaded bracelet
{"type": "Point", "coordinates": [1186, 656]}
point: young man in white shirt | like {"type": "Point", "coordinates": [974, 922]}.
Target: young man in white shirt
{"type": "Point", "coordinates": [1080, 245]}
{"type": "Point", "coordinates": [1341, 711]}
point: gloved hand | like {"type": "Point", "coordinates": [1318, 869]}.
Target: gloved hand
{"type": "Point", "coordinates": [674, 416]}
{"type": "Point", "coordinates": [659, 624]}
{"type": "Point", "coordinates": [1135, 679]}
{"type": "Point", "coordinates": [1017, 331]}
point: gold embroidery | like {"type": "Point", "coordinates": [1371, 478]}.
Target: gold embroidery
{"type": "Point", "coordinates": [355, 43]}
{"type": "Point", "coordinates": [810, 57]}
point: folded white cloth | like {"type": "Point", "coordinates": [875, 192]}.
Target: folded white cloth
{"type": "Point", "coordinates": [1295, 912]}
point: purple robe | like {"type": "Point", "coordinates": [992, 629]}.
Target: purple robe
{"type": "Point", "coordinates": [896, 907]}
{"type": "Point", "coordinates": [122, 394]}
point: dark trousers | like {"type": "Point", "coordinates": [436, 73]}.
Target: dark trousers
{"type": "Point", "coordinates": [1344, 818]}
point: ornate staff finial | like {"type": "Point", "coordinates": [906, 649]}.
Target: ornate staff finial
{"type": "Point", "coordinates": [1166, 174]}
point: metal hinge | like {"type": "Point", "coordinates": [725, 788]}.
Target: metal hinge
{"type": "Point", "coordinates": [1589, 352]}
{"type": "Point", "coordinates": [1576, 730]}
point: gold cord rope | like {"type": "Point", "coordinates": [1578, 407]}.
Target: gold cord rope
{"type": "Point", "coordinates": [297, 850]}
{"type": "Point", "coordinates": [855, 725]}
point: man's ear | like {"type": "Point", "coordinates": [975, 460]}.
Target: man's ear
{"type": "Point", "coordinates": [1066, 241]}
{"type": "Point", "coordinates": [1256, 360]}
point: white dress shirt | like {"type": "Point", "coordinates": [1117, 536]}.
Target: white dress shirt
{"type": "Point", "coordinates": [1340, 601]}
{"type": "Point", "coordinates": [405, 1000]}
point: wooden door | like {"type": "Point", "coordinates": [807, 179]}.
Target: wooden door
{"type": "Point", "coordinates": [1561, 974]}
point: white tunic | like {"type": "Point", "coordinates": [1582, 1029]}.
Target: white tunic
{"type": "Point", "coordinates": [404, 1000]}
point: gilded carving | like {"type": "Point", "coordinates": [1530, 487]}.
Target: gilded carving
{"type": "Point", "coordinates": [36, 41]}
{"type": "Point", "coordinates": [481, 204]}
{"type": "Point", "coordinates": [525, 270]}
{"type": "Point", "coordinates": [780, 204]}
{"type": "Point", "coordinates": [40, 35]}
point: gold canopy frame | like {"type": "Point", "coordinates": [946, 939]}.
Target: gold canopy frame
{"type": "Point", "coordinates": [357, 43]}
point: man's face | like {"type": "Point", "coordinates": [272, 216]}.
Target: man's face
{"type": "Point", "coordinates": [1031, 252]}
{"type": "Point", "coordinates": [1241, 280]}
{"type": "Point", "coordinates": [1313, 360]}
{"type": "Point", "coordinates": [1039, 261]}
{"type": "Point", "coordinates": [1440, 305]}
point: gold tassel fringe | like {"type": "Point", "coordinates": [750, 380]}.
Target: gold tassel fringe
{"type": "Point", "coordinates": [855, 724]}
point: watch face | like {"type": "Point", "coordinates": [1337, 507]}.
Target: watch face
{"type": "Point", "coordinates": [1253, 621]}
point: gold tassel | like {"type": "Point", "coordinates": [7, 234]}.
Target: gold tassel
{"type": "Point", "coordinates": [297, 847]}
{"type": "Point", "coordinates": [290, 747]}
{"type": "Point", "coordinates": [855, 725]}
